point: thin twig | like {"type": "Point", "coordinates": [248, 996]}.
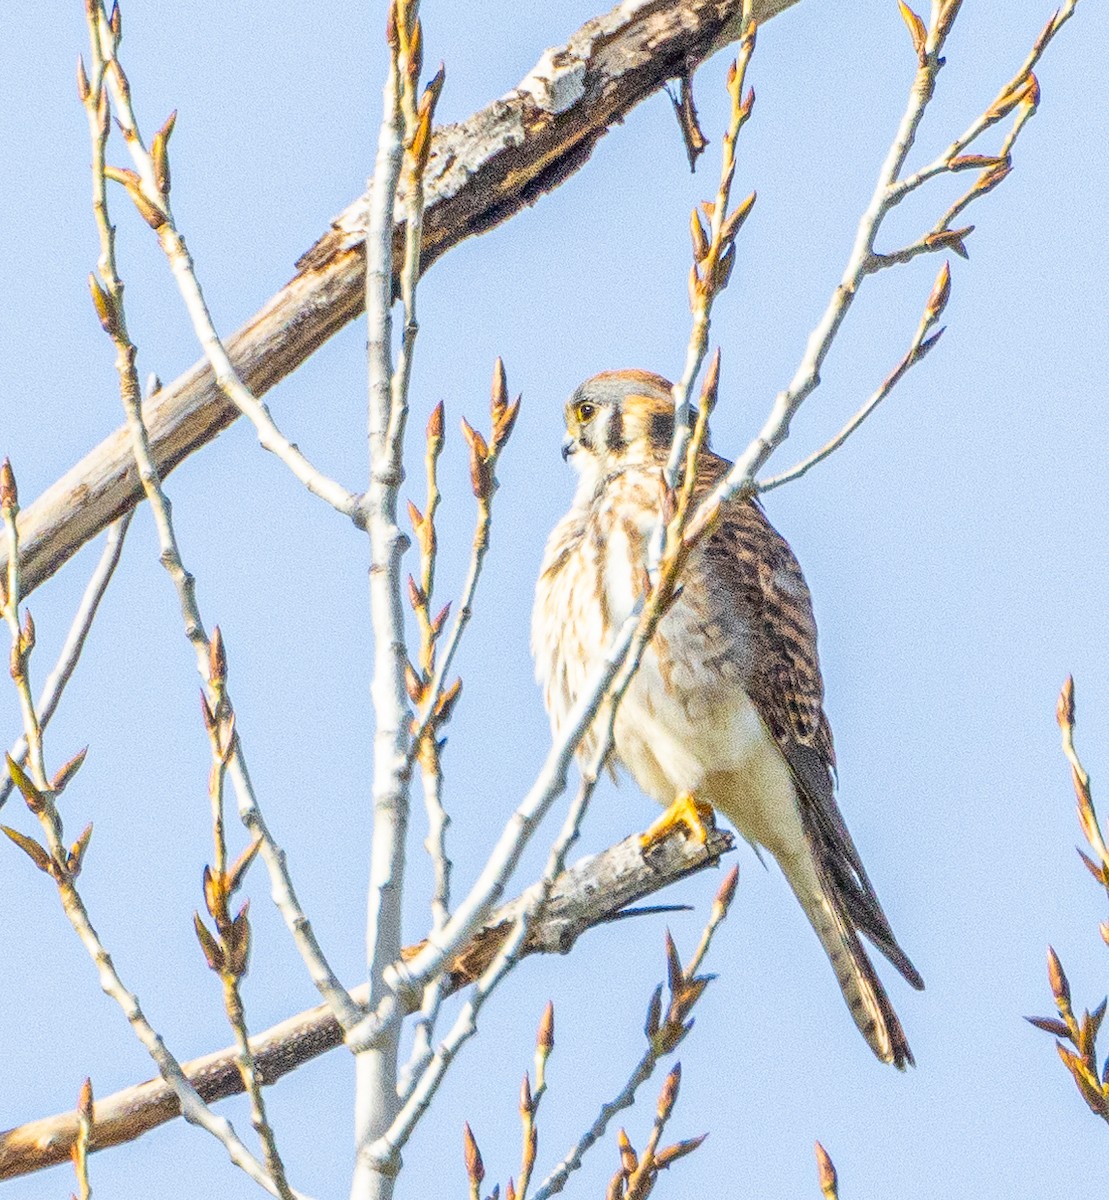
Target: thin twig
{"type": "Point", "coordinates": [995, 112]}
{"type": "Point", "coordinates": [63, 864]}
{"type": "Point", "coordinates": [436, 700]}
{"type": "Point", "coordinates": [55, 683]}
{"type": "Point", "coordinates": [721, 903]}
{"type": "Point", "coordinates": [640, 1180]}
{"type": "Point", "coordinates": [228, 953]}
{"type": "Point", "coordinates": [1021, 95]}
{"type": "Point", "coordinates": [107, 296]}
{"type": "Point", "coordinates": [484, 457]}
{"type": "Point", "coordinates": [863, 260]}
{"type": "Point", "coordinates": [530, 1099]}
{"type": "Point", "coordinates": [807, 377]}
{"type": "Point", "coordinates": [714, 257]}
{"type": "Point", "coordinates": [918, 348]}
{"type": "Point", "coordinates": [23, 637]}
{"type": "Point", "coordinates": [149, 190]}
{"type": "Point", "coordinates": [428, 749]}
{"type": "Point", "coordinates": [663, 1036]}
{"type": "Point", "coordinates": [1076, 1037]}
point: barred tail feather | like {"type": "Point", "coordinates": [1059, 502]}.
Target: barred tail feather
{"type": "Point", "coordinates": [862, 989]}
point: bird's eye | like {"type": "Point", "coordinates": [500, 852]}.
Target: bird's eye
{"type": "Point", "coordinates": [585, 411]}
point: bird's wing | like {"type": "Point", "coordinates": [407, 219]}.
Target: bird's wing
{"type": "Point", "coordinates": [788, 692]}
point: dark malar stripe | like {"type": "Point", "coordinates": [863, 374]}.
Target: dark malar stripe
{"type": "Point", "coordinates": [662, 429]}
{"type": "Point", "coordinates": [614, 434]}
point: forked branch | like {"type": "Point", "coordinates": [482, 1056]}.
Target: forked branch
{"type": "Point", "coordinates": [481, 171]}
{"type": "Point", "coordinates": [588, 894]}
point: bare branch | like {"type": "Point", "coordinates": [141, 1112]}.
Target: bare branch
{"type": "Point", "coordinates": [427, 745]}
{"type": "Point", "coordinates": [149, 190]}
{"type": "Point", "coordinates": [590, 893]}
{"type": "Point", "coordinates": [70, 654]}
{"type": "Point", "coordinates": [107, 296]}
{"type": "Point", "coordinates": [664, 1032]}
{"type": "Point", "coordinates": [480, 172]}
{"type": "Point", "coordinates": [863, 260]}
{"type": "Point", "coordinates": [1091, 1079]}
{"type": "Point", "coordinates": [375, 1099]}
{"type": "Point", "coordinates": [483, 463]}
{"type": "Point", "coordinates": [713, 255]}
{"type": "Point", "coordinates": [228, 952]}
{"type": "Point", "coordinates": [918, 348]}
{"type": "Point", "coordinates": [950, 159]}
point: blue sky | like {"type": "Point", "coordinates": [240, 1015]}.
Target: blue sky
{"type": "Point", "coordinates": [956, 550]}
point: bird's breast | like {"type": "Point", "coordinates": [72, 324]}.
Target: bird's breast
{"type": "Point", "coordinates": [689, 689]}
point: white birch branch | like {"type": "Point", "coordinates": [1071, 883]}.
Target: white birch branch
{"type": "Point", "coordinates": [423, 1090]}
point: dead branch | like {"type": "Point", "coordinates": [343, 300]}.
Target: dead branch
{"type": "Point", "coordinates": [593, 891]}
{"type": "Point", "coordinates": [481, 172]}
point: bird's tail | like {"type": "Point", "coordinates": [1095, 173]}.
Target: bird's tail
{"type": "Point", "coordinates": [861, 987]}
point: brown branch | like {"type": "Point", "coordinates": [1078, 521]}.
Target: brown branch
{"type": "Point", "coordinates": [590, 893]}
{"type": "Point", "coordinates": [481, 172]}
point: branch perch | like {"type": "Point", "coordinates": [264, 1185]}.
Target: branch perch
{"type": "Point", "coordinates": [481, 172]}
{"type": "Point", "coordinates": [592, 892]}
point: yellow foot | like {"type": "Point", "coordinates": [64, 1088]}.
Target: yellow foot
{"type": "Point", "coordinates": [694, 816]}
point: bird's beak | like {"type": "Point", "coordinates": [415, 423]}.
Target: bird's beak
{"type": "Point", "coordinates": [569, 446]}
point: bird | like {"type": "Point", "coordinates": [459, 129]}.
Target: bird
{"type": "Point", "coordinates": [726, 711]}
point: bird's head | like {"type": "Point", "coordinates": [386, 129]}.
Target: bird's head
{"type": "Point", "coordinates": [618, 419]}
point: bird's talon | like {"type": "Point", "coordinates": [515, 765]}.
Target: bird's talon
{"type": "Point", "coordinates": [695, 817]}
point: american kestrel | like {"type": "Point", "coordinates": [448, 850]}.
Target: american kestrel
{"type": "Point", "coordinates": [726, 708]}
